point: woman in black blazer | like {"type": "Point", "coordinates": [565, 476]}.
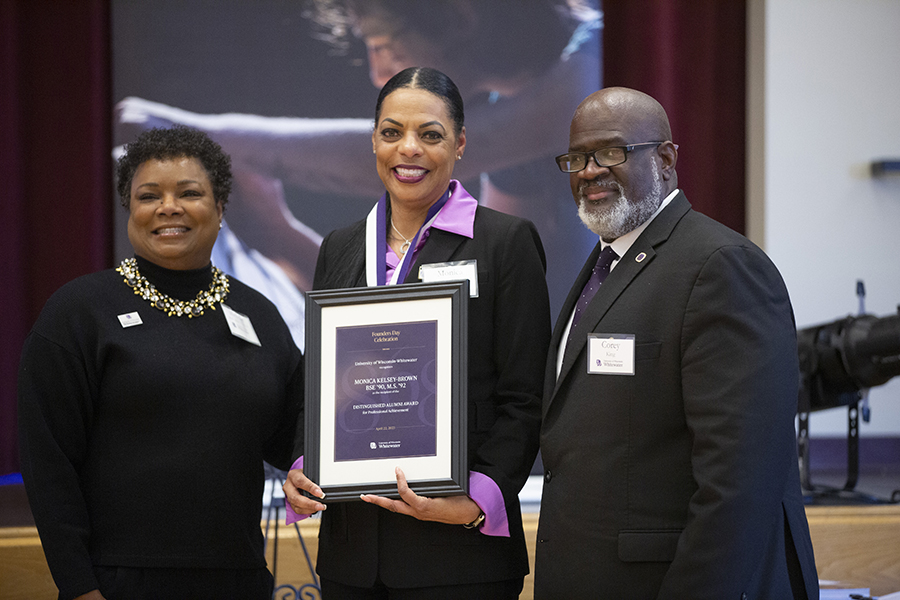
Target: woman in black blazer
{"type": "Point", "coordinates": [460, 546]}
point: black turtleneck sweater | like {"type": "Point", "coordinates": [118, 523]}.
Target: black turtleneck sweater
{"type": "Point", "coordinates": [143, 446]}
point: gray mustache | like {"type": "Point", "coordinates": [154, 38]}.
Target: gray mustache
{"type": "Point", "coordinates": [595, 183]}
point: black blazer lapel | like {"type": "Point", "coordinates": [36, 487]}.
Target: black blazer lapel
{"type": "Point", "coordinates": [440, 247]}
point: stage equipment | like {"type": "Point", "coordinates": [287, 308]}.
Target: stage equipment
{"type": "Point", "coordinates": [839, 362]}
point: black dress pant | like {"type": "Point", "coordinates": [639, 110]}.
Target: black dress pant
{"type": "Point", "coordinates": [127, 583]}
{"type": "Point", "coordinates": [492, 590]}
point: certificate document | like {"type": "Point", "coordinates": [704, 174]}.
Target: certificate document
{"type": "Point", "coordinates": [386, 388]}
{"type": "Point", "coordinates": [385, 391]}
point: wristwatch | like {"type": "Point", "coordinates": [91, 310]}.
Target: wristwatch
{"type": "Point", "coordinates": [478, 521]}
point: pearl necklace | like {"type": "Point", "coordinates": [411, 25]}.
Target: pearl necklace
{"type": "Point", "coordinates": [406, 243]}
{"type": "Point", "coordinates": [217, 291]}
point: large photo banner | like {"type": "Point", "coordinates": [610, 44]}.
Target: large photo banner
{"type": "Point", "coordinates": [288, 87]}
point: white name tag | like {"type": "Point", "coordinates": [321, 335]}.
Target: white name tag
{"type": "Point", "coordinates": [452, 271]}
{"type": "Point", "coordinates": [610, 354]}
{"type": "Point", "coordinates": [240, 325]}
{"type": "Point", "coordinates": [130, 319]}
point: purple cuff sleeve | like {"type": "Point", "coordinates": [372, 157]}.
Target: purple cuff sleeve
{"type": "Point", "coordinates": [289, 515]}
{"type": "Point", "coordinates": [488, 497]}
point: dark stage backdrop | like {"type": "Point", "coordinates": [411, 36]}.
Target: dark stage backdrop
{"type": "Point", "coordinates": [690, 55]}
{"type": "Point", "coordinates": [54, 168]}
{"type": "Point", "coordinates": [56, 133]}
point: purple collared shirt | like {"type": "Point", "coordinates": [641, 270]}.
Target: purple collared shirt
{"type": "Point", "coordinates": [457, 216]}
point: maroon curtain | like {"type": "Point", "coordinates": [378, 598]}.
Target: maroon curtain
{"type": "Point", "coordinates": [690, 55]}
{"type": "Point", "coordinates": [55, 166]}
{"type": "Point", "coordinates": [55, 156]}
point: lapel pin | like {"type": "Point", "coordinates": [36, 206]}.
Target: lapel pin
{"type": "Point", "coordinates": [640, 257]}
{"type": "Point", "coordinates": [130, 319]}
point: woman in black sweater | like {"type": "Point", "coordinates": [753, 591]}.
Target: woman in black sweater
{"type": "Point", "coordinates": [151, 394]}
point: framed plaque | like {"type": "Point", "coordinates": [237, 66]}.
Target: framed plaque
{"type": "Point", "coordinates": [386, 387]}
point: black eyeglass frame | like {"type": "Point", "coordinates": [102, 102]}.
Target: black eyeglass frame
{"type": "Point", "coordinates": [593, 154]}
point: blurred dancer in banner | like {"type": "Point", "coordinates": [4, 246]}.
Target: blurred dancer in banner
{"type": "Point", "coordinates": [523, 66]}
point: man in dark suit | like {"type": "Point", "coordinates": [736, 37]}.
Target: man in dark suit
{"type": "Point", "coordinates": [668, 415]}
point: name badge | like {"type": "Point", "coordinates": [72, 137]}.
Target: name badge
{"type": "Point", "coordinates": [452, 271]}
{"type": "Point", "coordinates": [610, 354]}
{"type": "Point", "coordinates": [130, 319]}
{"type": "Point", "coordinates": [240, 325]}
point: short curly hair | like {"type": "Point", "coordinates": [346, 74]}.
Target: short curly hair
{"type": "Point", "coordinates": [179, 141]}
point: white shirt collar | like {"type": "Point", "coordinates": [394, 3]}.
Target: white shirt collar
{"type": "Point", "coordinates": [621, 245]}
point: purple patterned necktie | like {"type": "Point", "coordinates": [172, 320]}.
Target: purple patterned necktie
{"type": "Point", "coordinates": [601, 270]}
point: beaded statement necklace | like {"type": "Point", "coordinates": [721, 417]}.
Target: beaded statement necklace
{"type": "Point", "coordinates": [217, 291]}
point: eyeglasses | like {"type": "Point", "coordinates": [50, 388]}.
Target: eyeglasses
{"type": "Point", "coordinates": [610, 156]}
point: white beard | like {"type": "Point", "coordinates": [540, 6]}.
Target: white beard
{"type": "Point", "coordinates": [615, 221]}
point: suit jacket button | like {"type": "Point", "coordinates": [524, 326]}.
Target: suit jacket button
{"type": "Point", "coordinates": [548, 476]}
{"type": "Point", "coordinates": [744, 596]}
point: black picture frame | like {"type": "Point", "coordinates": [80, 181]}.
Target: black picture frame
{"type": "Point", "coordinates": [330, 313]}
